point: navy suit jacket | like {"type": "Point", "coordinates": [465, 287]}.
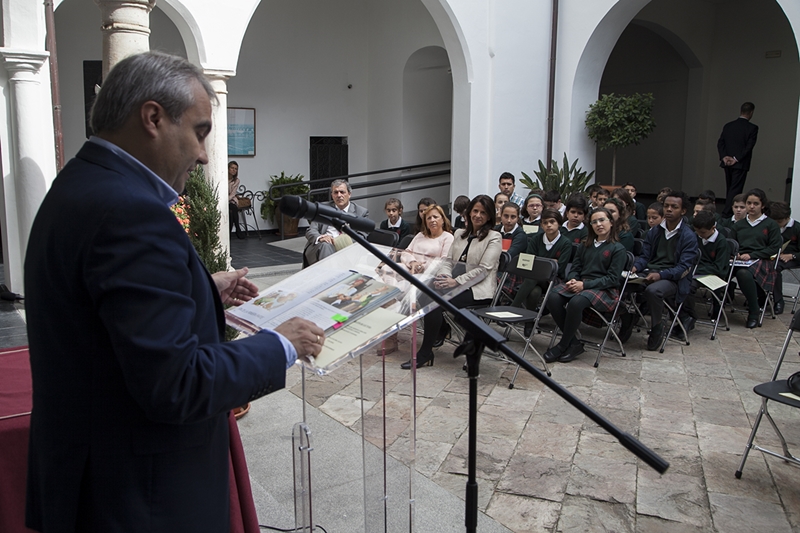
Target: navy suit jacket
{"type": "Point", "coordinates": [131, 384]}
{"type": "Point", "coordinates": [737, 140]}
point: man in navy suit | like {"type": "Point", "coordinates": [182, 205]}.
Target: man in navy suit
{"type": "Point", "coordinates": [132, 383]}
{"type": "Point", "coordinates": [324, 239]}
{"type": "Point", "coordinates": [735, 147]}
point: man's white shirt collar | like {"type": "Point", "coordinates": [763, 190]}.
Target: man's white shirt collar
{"type": "Point", "coordinates": [667, 233]}
{"type": "Point", "coordinates": [580, 226]}
{"type": "Point", "coordinates": [549, 244]}
{"type": "Point", "coordinates": [713, 237]}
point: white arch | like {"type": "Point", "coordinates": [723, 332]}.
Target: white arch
{"type": "Point", "coordinates": [212, 36]}
{"type": "Point", "coordinates": [791, 9]}
{"type": "Point", "coordinates": [588, 72]}
{"type": "Point", "coordinates": [466, 161]}
{"type": "Point", "coordinates": [582, 67]}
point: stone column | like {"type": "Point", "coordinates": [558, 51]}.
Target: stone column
{"type": "Point", "coordinates": [126, 29]}
{"type": "Point", "coordinates": [32, 161]}
{"type": "Point", "coordinates": [217, 149]}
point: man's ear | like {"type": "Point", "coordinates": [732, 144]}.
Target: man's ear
{"type": "Point", "coordinates": [152, 116]}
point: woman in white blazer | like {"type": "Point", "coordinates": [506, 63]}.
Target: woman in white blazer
{"type": "Point", "coordinates": [478, 247]}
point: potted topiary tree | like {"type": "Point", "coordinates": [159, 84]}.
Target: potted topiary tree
{"type": "Point", "coordinates": [294, 186]}
{"type": "Point", "coordinates": [616, 121]}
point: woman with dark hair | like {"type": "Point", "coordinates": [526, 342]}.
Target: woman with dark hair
{"type": "Point", "coordinates": [422, 205]}
{"type": "Point", "coordinates": [759, 239]}
{"type": "Point", "coordinates": [630, 209]}
{"type": "Point", "coordinates": [478, 248]}
{"type": "Point", "coordinates": [617, 210]}
{"type": "Point", "coordinates": [593, 282]}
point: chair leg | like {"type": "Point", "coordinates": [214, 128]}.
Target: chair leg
{"type": "Point", "coordinates": [749, 444]}
{"type": "Point", "coordinates": [767, 302]}
{"type": "Point", "coordinates": [672, 326]}
{"type": "Point", "coordinates": [255, 220]}
{"type": "Point", "coordinates": [778, 432]}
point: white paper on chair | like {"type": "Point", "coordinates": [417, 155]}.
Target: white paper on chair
{"type": "Point", "coordinates": [525, 261]}
{"type": "Point", "coordinates": [504, 314]}
{"type": "Point", "coordinates": [711, 281]}
{"type": "Point", "coordinates": [790, 395]}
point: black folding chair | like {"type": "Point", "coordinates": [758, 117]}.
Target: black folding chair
{"type": "Point", "coordinates": [675, 312]}
{"type": "Point", "coordinates": [772, 391]}
{"type": "Point", "coordinates": [720, 300]}
{"type": "Point", "coordinates": [384, 237]}
{"type": "Point", "coordinates": [543, 270]}
{"type": "Point", "coordinates": [457, 333]}
{"type": "Point", "coordinates": [770, 301]}
{"type": "Point", "coordinates": [609, 320]}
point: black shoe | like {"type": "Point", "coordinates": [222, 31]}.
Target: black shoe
{"type": "Point", "coordinates": [528, 329]}
{"type": "Point", "coordinates": [574, 350]}
{"type": "Point", "coordinates": [752, 321]}
{"type": "Point", "coordinates": [423, 359]}
{"type": "Point", "coordinates": [779, 307]}
{"type": "Point", "coordinates": [552, 355]}
{"type": "Point", "coordinates": [626, 327]}
{"type": "Point", "coordinates": [688, 325]}
{"type": "Point", "coordinates": [444, 332]}
{"type": "Point", "coordinates": [654, 340]}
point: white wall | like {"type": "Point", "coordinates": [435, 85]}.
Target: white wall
{"type": "Point", "coordinates": [520, 62]}
{"type": "Point", "coordinates": [78, 40]}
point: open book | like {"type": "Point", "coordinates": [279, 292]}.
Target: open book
{"type": "Point", "coordinates": [329, 298]}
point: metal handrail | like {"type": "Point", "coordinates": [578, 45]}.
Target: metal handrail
{"type": "Point", "coordinates": [374, 183]}
{"type": "Point", "coordinates": [364, 184]}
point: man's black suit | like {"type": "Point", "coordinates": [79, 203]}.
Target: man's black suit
{"type": "Point", "coordinates": [131, 384]}
{"type": "Point", "coordinates": [737, 140]}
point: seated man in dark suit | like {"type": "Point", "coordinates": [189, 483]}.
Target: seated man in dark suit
{"type": "Point", "coordinates": [324, 240]}
{"type": "Point", "coordinates": [132, 382]}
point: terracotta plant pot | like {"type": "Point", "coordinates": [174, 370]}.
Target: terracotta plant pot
{"type": "Point", "coordinates": [289, 226]}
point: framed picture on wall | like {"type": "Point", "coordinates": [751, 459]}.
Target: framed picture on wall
{"type": "Point", "coordinates": [241, 131]}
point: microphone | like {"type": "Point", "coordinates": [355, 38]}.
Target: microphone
{"type": "Point", "coordinates": [296, 207]}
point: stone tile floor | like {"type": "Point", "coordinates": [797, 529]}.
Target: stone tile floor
{"type": "Point", "coordinates": [543, 466]}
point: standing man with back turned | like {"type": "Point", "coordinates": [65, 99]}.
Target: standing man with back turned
{"type": "Point", "coordinates": [735, 147]}
{"type": "Point", "coordinates": [132, 383]}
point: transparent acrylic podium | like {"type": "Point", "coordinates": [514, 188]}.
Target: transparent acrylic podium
{"type": "Point", "coordinates": [388, 483]}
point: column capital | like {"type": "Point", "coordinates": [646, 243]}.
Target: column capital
{"type": "Point", "coordinates": [215, 74]}
{"type": "Point", "coordinates": [23, 61]}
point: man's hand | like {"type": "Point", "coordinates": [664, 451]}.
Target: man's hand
{"type": "Point", "coordinates": [653, 276]}
{"type": "Point", "coordinates": [233, 287]}
{"type": "Point", "coordinates": [306, 337]}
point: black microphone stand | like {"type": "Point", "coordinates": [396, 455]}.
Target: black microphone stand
{"type": "Point", "coordinates": [479, 335]}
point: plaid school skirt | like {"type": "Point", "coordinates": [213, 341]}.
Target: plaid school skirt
{"type": "Point", "coordinates": [603, 300]}
{"type": "Point", "coordinates": [763, 273]}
